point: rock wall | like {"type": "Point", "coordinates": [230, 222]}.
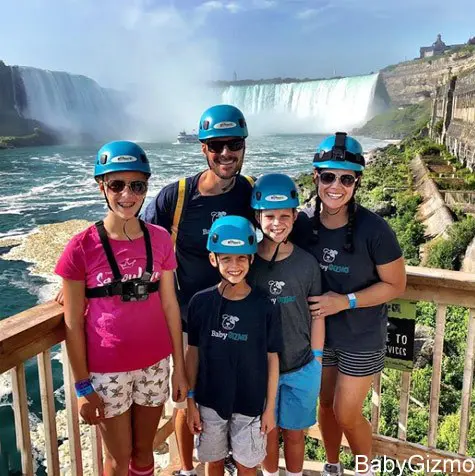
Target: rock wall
{"type": "Point", "coordinates": [433, 212]}
{"type": "Point", "coordinates": [453, 117]}
{"type": "Point", "coordinates": [11, 122]}
{"type": "Point", "coordinates": [414, 81]}
{"type": "Point", "coordinates": [468, 264]}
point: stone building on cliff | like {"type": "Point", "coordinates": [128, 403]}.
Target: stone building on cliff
{"type": "Point", "coordinates": [437, 48]}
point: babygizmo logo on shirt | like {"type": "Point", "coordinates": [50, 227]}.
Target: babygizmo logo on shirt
{"type": "Point", "coordinates": [415, 464]}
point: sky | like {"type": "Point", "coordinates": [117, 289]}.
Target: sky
{"type": "Point", "coordinates": [117, 42]}
{"type": "Point", "coordinates": [162, 52]}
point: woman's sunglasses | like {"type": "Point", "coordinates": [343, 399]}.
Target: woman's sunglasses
{"type": "Point", "coordinates": [137, 187]}
{"type": "Point", "coordinates": [347, 180]}
{"type": "Point", "coordinates": [217, 146]}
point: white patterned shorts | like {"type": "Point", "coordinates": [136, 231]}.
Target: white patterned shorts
{"type": "Point", "coordinates": [147, 387]}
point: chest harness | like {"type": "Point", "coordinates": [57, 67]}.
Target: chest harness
{"type": "Point", "coordinates": [136, 289]}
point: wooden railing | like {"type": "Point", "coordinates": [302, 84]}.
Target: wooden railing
{"type": "Point", "coordinates": [32, 334]}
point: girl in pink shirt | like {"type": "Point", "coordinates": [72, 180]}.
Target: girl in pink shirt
{"type": "Point", "coordinates": [119, 343]}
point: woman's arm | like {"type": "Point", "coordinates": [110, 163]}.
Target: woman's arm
{"type": "Point", "coordinates": [391, 286]}
{"type": "Point", "coordinates": [172, 316]}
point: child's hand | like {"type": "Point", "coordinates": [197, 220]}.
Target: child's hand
{"type": "Point", "coordinates": [193, 418]}
{"type": "Point", "coordinates": [91, 408]}
{"type": "Point", "coordinates": [180, 386]}
{"type": "Point", "coordinates": [267, 421]}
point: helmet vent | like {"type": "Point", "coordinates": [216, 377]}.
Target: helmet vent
{"type": "Point", "coordinates": [242, 123]}
{"type": "Point", "coordinates": [258, 195]}
{"type": "Point", "coordinates": [214, 238]}
{"type": "Point", "coordinates": [103, 158]}
{"type": "Point", "coordinates": [251, 240]}
{"type": "Point", "coordinates": [293, 193]}
{"type": "Point", "coordinates": [205, 125]}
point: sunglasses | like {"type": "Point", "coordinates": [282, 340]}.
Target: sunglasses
{"type": "Point", "coordinates": [217, 146]}
{"type": "Point", "coordinates": [137, 187]}
{"type": "Point", "coordinates": [347, 180]}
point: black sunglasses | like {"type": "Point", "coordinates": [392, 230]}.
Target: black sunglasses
{"type": "Point", "coordinates": [137, 187]}
{"type": "Point", "coordinates": [217, 146]}
{"type": "Point", "coordinates": [347, 180]}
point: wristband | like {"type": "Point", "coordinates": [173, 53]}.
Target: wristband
{"type": "Point", "coordinates": [352, 300]}
{"type": "Point", "coordinates": [317, 352]}
{"type": "Point", "coordinates": [190, 394]}
{"type": "Point", "coordinates": [83, 388]}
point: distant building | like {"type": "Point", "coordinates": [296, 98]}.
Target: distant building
{"type": "Point", "coordinates": [437, 48]}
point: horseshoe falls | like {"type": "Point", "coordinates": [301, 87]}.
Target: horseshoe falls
{"type": "Point", "coordinates": [318, 106]}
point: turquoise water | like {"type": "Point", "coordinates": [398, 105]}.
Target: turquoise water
{"type": "Point", "coordinates": [53, 184]}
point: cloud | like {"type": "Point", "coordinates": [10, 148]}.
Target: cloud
{"type": "Point", "coordinates": [152, 52]}
{"type": "Point", "coordinates": [310, 13]}
{"type": "Point", "coordinates": [214, 5]}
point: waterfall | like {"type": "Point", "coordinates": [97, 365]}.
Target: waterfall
{"type": "Point", "coordinates": [318, 106]}
{"type": "Point", "coordinates": [71, 104]}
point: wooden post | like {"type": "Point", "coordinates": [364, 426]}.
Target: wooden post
{"type": "Point", "coordinates": [376, 402]}
{"type": "Point", "coordinates": [404, 405]}
{"type": "Point", "coordinates": [22, 424]}
{"type": "Point", "coordinates": [467, 383]}
{"type": "Point", "coordinates": [74, 436]}
{"type": "Point", "coordinates": [436, 374]}
{"type": "Point", "coordinates": [48, 410]}
{"type": "Point", "coordinates": [96, 447]}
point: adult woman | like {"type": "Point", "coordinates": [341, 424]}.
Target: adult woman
{"type": "Point", "coordinates": [362, 269]}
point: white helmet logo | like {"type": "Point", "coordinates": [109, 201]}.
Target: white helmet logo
{"type": "Point", "coordinates": [276, 198]}
{"type": "Point", "coordinates": [225, 125]}
{"type": "Point", "coordinates": [231, 242]}
{"type": "Point", "coordinates": [124, 158]}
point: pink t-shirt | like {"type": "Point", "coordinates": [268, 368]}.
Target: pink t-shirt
{"type": "Point", "coordinates": [120, 336]}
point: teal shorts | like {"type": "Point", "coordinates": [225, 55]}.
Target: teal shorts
{"type": "Point", "coordinates": [297, 395]}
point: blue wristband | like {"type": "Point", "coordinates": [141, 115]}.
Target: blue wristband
{"type": "Point", "coordinates": [352, 300]}
{"type": "Point", "coordinates": [83, 388]}
{"type": "Point", "coordinates": [317, 352]}
{"type": "Point", "coordinates": [190, 394]}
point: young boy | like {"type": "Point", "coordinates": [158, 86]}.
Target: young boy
{"type": "Point", "coordinates": [234, 335]}
{"type": "Point", "coordinates": [288, 275]}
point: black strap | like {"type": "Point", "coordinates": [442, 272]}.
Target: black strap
{"type": "Point", "coordinates": [108, 250]}
{"type": "Point", "coordinates": [340, 140]}
{"type": "Point", "coordinates": [116, 289]}
{"type": "Point", "coordinates": [148, 250]}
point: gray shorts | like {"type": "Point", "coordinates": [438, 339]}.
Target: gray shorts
{"type": "Point", "coordinates": [242, 432]}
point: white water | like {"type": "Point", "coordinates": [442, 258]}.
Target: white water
{"type": "Point", "coordinates": [311, 106]}
{"type": "Point", "coordinates": [70, 103]}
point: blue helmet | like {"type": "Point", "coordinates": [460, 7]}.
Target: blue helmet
{"type": "Point", "coordinates": [274, 191]}
{"type": "Point", "coordinates": [232, 235]}
{"type": "Point", "coordinates": [222, 120]}
{"type": "Point", "coordinates": [121, 156]}
{"type": "Point", "coordinates": [339, 151]}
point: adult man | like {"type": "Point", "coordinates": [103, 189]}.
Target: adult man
{"type": "Point", "coordinates": [189, 213]}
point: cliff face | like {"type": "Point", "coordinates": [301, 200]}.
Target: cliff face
{"type": "Point", "coordinates": [413, 81]}
{"type": "Point", "coordinates": [11, 122]}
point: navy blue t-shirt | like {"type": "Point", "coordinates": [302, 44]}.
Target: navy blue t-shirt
{"type": "Point", "coordinates": [233, 339]}
{"type": "Point", "coordinates": [375, 243]}
{"type": "Point", "coordinates": [194, 271]}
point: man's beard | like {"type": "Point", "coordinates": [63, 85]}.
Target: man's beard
{"type": "Point", "coordinates": [215, 167]}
